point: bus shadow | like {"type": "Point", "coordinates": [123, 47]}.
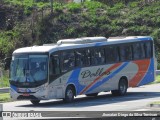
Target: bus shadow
{"type": "Point", "coordinates": [93, 101]}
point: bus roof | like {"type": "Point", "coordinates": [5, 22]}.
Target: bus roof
{"type": "Point", "coordinates": [80, 43]}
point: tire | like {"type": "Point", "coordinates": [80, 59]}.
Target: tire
{"type": "Point", "coordinates": [69, 95]}
{"type": "Point", "coordinates": [35, 102]}
{"type": "Point", "coordinates": [92, 95]}
{"type": "Point", "coordinates": [122, 88]}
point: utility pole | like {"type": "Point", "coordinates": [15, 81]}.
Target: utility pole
{"type": "Point", "coordinates": [51, 6]}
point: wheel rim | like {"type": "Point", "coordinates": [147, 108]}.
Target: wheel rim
{"type": "Point", "coordinates": [122, 87]}
{"type": "Point", "coordinates": [70, 94]}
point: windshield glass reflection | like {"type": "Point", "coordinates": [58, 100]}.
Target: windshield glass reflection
{"type": "Point", "coordinates": [29, 68]}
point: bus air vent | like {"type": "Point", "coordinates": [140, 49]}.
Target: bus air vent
{"type": "Point", "coordinates": [82, 40]}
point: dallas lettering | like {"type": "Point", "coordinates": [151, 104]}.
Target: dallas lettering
{"type": "Point", "coordinates": [99, 72]}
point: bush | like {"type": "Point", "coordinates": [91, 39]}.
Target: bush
{"type": "Point", "coordinates": [93, 6]}
{"type": "Point", "coordinates": [133, 4]}
{"type": "Point", "coordinates": [79, 20]}
{"type": "Point", "coordinates": [4, 80]}
{"type": "Point", "coordinates": [74, 7]}
{"type": "Point", "coordinates": [6, 45]}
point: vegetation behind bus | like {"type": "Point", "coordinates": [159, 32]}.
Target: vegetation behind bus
{"type": "Point", "coordinates": [4, 78]}
{"type": "Point", "coordinates": [5, 97]}
{"type": "Point", "coordinates": [29, 23]}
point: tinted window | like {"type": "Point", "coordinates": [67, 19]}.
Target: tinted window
{"type": "Point", "coordinates": [111, 54]}
{"type": "Point", "coordinates": [125, 52]}
{"type": "Point", "coordinates": [80, 58]}
{"type": "Point", "coordinates": [138, 50]}
{"type": "Point", "coordinates": [98, 56]}
{"type": "Point", "coordinates": [87, 57]}
{"type": "Point", "coordinates": [54, 65]}
{"type": "Point", "coordinates": [148, 49]}
{"type": "Point", "coordinates": [68, 61]}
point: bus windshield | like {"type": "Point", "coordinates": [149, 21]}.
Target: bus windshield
{"type": "Point", "coordinates": [29, 68]}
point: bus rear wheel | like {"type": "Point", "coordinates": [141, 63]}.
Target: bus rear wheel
{"type": "Point", "coordinates": [69, 95]}
{"type": "Point", "coordinates": [122, 88]}
{"type": "Point", "coordinates": [35, 102]}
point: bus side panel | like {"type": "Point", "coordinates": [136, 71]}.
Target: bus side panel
{"type": "Point", "coordinates": [97, 78]}
{"type": "Point", "coordinates": [101, 83]}
{"type": "Point", "coordinates": [111, 81]}
{"type": "Point", "coordinates": [145, 73]}
{"type": "Point", "coordinates": [149, 75]}
{"type": "Point", "coordinates": [103, 78]}
{"type": "Point", "coordinates": [58, 86]}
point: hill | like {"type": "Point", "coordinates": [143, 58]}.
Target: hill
{"type": "Point", "coordinates": [26, 23]}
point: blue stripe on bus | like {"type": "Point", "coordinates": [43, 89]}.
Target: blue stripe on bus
{"type": "Point", "coordinates": [149, 76]}
{"type": "Point", "coordinates": [108, 77]}
{"type": "Point", "coordinates": [74, 80]}
{"type": "Point", "coordinates": [13, 87]}
{"type": "Point", "coordinates": [145, 38]}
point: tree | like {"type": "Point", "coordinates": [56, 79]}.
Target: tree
{"type": "Point", "coordinates": [51, 6]}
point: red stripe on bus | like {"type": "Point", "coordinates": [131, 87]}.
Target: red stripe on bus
{"type": "Point", "coordinates": [107, 71]}
{"type": "Point", "coordinates": [143, 66]}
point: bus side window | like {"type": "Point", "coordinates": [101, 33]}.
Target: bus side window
{"type": "Point", "coordinates": [128, 51]}
{"type": "Point", "coordinates": [98, 56]}
{"type": "Point", "coordinates": [125, 52]}
{"type": "Point", "coordinates": [68, 61]}
{"type": "Point", "coordinates": [111, 54]}
{"type": "Point", "coordinates": [138, 51]}
{"type": "Point", "coordinates": [142, 50]}
{"type": "Point", "coordinates": [80, 61]}
{"type": "Point", "coordinates": [55, 65]}
{"type": "Point", "coordinates": [87, 57]}
{"type": "Point", "coordinates": [148, 49]}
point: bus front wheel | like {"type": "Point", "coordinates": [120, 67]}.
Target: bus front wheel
{"type": "Point", "coordinates": [69, 94]}
{"type": "Point", "coordinates": [35, 102]}
{"type": "Point", "coordinates": [122, 88]}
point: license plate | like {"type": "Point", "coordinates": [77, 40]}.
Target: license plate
{"type": "Point", "coordinates": [26, 94]}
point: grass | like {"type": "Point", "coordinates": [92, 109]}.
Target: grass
{"type": "Point", "coordinates": [157, 79]}
{"type": "Point", "coordinates": [4, 83]}
{"type": "Point", "coordinates": [4, 80]}
{"type": "Point", "coordinates": [157, 102]}
{"type": "Point", "coordinates": [5, 97]}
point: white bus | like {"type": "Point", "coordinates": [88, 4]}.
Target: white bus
{"type": "Point", "coordinates": [79, 66]}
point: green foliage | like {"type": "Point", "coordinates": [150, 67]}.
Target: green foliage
{"type": "Point", "coordinates": [6, 45]}
{"type": "Point", "coordinates": [133, 4]}
{"type": "Point", "coordinates": [28, 5]}
{"type": "Point", "coordinates": [93, 6]}
{"type": "Point", "coordinates": [91, 18]}
{"type": "Point", "coordinates": [58, 7]}
{"type": "Point", "coordinates": [157, 79]}
{"type": "Point", "coordinates": [5, 97]}
{"type": "Point", "coordinates": [74, 7]}
{"type": "Point", "coordinates": [4, 79]}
